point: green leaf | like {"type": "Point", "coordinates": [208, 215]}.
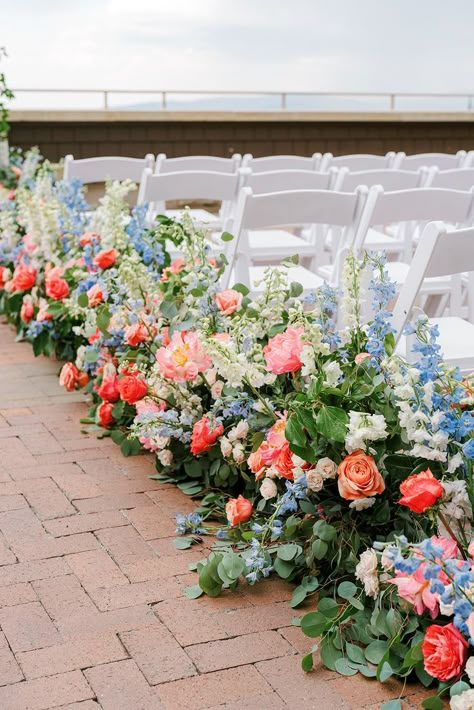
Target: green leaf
{"type": "Point", "coordinates": [288, 552]}
{"type": "Point", "coordinates": [233, 565]}
{"type": "Point", "coordinates": [182, 543]}
{"type": "Point", "coordinates": [169, 309]}
{"type": "Point", "coordinates": [328, 607]}
{"type": "Point", "coordinates": [294, 433]}
{"type": "Point", "coordinates": [434, 702]}
{"type": "Point", "coordinates": [346, 590]}
{"type": "Point", "coordinates": [83, 300]}
{"type": "Point", "coordinates": [325, 531]}
{"type": "Point", "coordinates": [355, 653]}
{"type": "Point", "coordinates": [307, 662]}
{"type": "Point", "coordinates": [385, 672]}
{"type": "Point", "coordinates": [298, 596]}
{"type": "Point", "coordinates": [227, 237]}
{"type": "Point", "coordinates": [329, 654]}
{"type": "Point", "coordinates": [392, 705]}
{"type": "Point", "coordinates": [368, 671]}
{"type": "Point", "coordinates": [313, 624]}
{"type": "Point", "coordinates": [296, 289]}
{"type": "Point", "coordinates": [193, 592]}
{"type": "Point", "coordinates": [241, 288]}
{"type": "Point", "coordinates": [458, 688]}
{"type": "Point", "coordinates": [103, 319]}
{"type": "Point", "coordinates": [307, 418]}
{"type": "Point", "coordinates": [283, 568]}
{"type": "Point", "coordinates": [319, 548]}
{"type": "Point", "coordinates": [344, 668]}
{"type": "Point", "coordinates": [117, 436]}
{"type": "Point", "coordinates": [422, 675]}
{"type": "Point", "coordinates": [332, 422]}
{"type": "Point", "coordinates": [375, 651]}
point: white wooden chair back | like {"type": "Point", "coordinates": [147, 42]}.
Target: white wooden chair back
{"type": "Point", "coordinates": [189, 185]}
{"type": "Point", "coordinates": [288, 209]}
{"type": "Point", "coordinates": [91, 170]}
{"type": "Point", "coordinates": [284, 180]}
{"type": "Point", "coordinates": [457, 179]}
{"type": "Point", "coordinates": [197, 162]}
{"type": "Point", "coordinates": [416, 206]}
{"type": "Point", "coordinates": [439, 253]}
{"type": "Point", "coordinates": [389, 179]}
{"type": "Point", "coordinates": [281, 162]}
{"type": "Point", "coordinates": [444, 161]}
{"type": "Point", "coordinates": [357, 162]}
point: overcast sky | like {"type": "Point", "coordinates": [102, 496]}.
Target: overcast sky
{"type": "Point", "coordinates": [332, 45]}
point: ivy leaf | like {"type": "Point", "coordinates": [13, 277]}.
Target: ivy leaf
{"type": "Point", "coordinates": [332, 422]}
{"type": "Point", "coordinates": [294, 432]}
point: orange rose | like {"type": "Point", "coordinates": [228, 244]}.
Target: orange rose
{"type": "Point", "coordinates": [106, 258]}
{"type": "Point", "coordinates": [27, 310]}
{"type": "Point", "coordinates": [359, 477]}
{"type": "Point", "coordinates": [238, 510]}
{"type": "Point", "coordinates": [204, 435]}
{"type": "Point", "coordinates": [420, 491]}
{"type": "Point", "coordinates": [104, 414]}
{"type": "Point", "coordinates": [132, 388]}
{"type": "Point", "coordinates": [56, 287]}
{"type": "Point", "coordinates": [24, 278]}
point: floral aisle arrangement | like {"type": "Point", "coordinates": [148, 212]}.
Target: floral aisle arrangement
{"type": "Point", "coordinates": [317, 452]}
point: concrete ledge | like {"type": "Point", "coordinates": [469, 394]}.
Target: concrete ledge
{"type": "Point", "coordinates": [277, 116]}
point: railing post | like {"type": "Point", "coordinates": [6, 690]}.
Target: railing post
{"type": "Point", "coordinates": [392, 102]}
{"type": "Point", "coordinates": [283, 101]}
{"type": "Point", "coordinates": [106, 100]}
{"type": "Point", "coordinates": [163, 99]}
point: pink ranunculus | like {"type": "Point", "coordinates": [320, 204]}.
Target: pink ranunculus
{"type": "Point", "coordinates": [183, 359]}
{"type": "Point", "coordinates": [136, 333]}
{"type": "Point", "coordinates": [148, 406]}
{"type": "Point", "coordinates": [282, 353]}
{"type": "Point", "coordinates": [228, 301]}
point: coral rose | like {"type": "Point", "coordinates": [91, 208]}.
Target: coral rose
{"type": "Point", "coordinates": [204, 435]}
{"type": "Point", "coordinates": [420, 491]}
{"type": "Point", "coordinates": [24, 278]}
{"type": "Point", "coordinates": [108, 390]}
{"type": "Point", "coordinates": [228, 301]}
{"type": "Point", "coordinates": [27, 310]}
{"type": "Point", "coordinates": [282, 353]}
{"type": "Point", "coordinates": [136, 333]}
{"type": "Point", "coordinates": [106, 258]}
{"type": "Point", "coordinates": [88, 238]}
{"type": "Point", "coordinates": [56, 287]}
{"type": "Point", "coordinates": [104, 414]}
{"type": "Point", "coordinates": [238, 510]}
{"type": "Point", "coordinates": [444, 651]}
{"type": "Point", "coordinates": [359, 477]}
{"type": "Point", "coordinates": [256, 464]}
{"type": "Point", "coordinates": [69, 376]}
{"type": "Point", "coordinates": [132, 388]}
{"type": "Point", "coordinates": [4, 276]}
{"type": "Point", "coordinates": [95, 295]}
{"type": "Point", "coordinates": [183, 359]}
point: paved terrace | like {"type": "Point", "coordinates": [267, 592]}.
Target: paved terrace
{"type": "Point", "coordinates": [92, 612]}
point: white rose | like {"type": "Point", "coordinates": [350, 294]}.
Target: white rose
{"type": "Point", "coordinates": [326, 467]}
{"type": "Point", "coordinates": [165, 457]}
{"type": "Point", "coordinates": [362, 504]}
{"type": "Point", "coordinates": [386, 561]}
{"type": "Point", "coordinates": [470, 669]}
{"type": "Point", "coordinates": [238, 453]}
{"type": "Point", "coordinates": [314, 480]}
{"type": "Point", "coordinates": [226, 447]}
{"type": "Point", "coordinates": [268, 489]}
{"type": "Point", "coordinates": [239, 432]}
{"type": "Point", "coordinates": [297, 460]}
{"type": "Point", "coordinates": [366, 572]}
{"type": "Point", "coordinates": [464, 701]}
{"type": "Point", "coordinates": [211, 375]}
{"type": "Point", "coordinates": [216, 389]}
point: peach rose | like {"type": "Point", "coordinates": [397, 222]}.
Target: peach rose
{"type": "Point", "coordinates": [69, 376]}
{"type": "Point", "coordinates": [95, 295]}
{"type": "Point", "coordinates": [24, 278]}
{"type": "Point", "coordinates": [282, 353]}
{"type": "Point", "coordinates": [108, 390]}
{"type": "Point", "coordinates": [228, 301]}
{"type": "Point", "coordinates": [88, 238]}
{"type": "Point", "coordinates": [56, 286]}
{"type": "Point", "coordinates": [136, 333]}
{"type": "Point", "coordinates": [359, 477]}
{"type": "Point", "coordinates": [27, 310]}
{"type": "Point", "coordinates": [132, 388]}
{"type": "Point", "coordinates": [238, 510]}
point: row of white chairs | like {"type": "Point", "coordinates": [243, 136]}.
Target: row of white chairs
{"type": "Point", "coordinates": [92, 170]}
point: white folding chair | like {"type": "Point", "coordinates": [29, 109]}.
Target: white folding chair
{"type": "Point", "coordinates": [409, 208]}
{"type": "Point", "coordinates": [278, 244]}
{"type": "Point", "coordinates": [197, 162]}
{"type": "Point", "coordinates": [281, 162]}
{"type": "Point", "coordinates": [390, 180]}
{"type": "Point", "coordinates": [190, 185]}
{"type": "Point", "coordinates": [456, 179]}
{"type": "Point", "coordinates": [444, 161]}
{"type": "Point", "coordinates": [358, 161]}
{"type": "Point", "coordinates": [284, 209]}
{"type": "Point", "coordinates": [440, 253]}
{"type": "Point", "coordinates": [91, 170]}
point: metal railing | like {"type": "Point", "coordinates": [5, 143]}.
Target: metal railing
{"type": "Point", "coordinates": [390, 99]}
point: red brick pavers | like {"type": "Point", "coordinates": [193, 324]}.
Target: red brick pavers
{"type": "Point", "coordinates": [92, 612]}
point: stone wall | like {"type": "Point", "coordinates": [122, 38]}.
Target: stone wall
{"type": "Point", "coordinates": [86, 134]}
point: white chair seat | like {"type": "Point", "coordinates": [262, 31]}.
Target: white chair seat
{"type": "Point", "coordinates": [198, 215]}
{"type": "Point", "coordinates": [456, 338]}
{"type": "Point", "coordinates": [277, 244]}
{"type": "Point", "coordinates": [398, 273]}
{"type": "Point", "coordinates": [309, 280]}
{"type": "Point", "coordinates": [380, 241]}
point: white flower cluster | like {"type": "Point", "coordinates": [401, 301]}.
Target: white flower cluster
{"type": "Point", "coordinates": [367, 572]}
{"type": "Point", "coordinates": [110, 216]}
{"type": "Point", "coordinates": [232, 445]}
{"type": "Point", "coordinates": [324, 469]}
{"type": "Point", "coordinates": [363, 428]}
{"type": "Point", "coordinates": [456, 507]}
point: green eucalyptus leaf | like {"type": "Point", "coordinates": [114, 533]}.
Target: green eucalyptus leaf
{"type": "Point", "coordinates": [319, 548]}
{"type": "Point", "coordinates": [307, 662]}
{"type": "Point", "coordinates": [355, 653]}
{"type": "Point", "coordinates": [193, 592]}
{"type": "Point", "coordinates": [434, 702]}
{"type": "Point", "coordinates": [182, 543]}
{"type": "Point", "coordinates": [346, 590]}
{"type": "Point", "coordinates": [313, 624]}
{"type": "Point", "coordinates": [395, 704]}
{"type": "Point", "coordinates": [298, 596]}
{"type": "Point", "coordinates": [289, 551]}
{"type": "Point", "coordinates": [375, 651]}
{"type": "Point", "coordinates": [343, 667]}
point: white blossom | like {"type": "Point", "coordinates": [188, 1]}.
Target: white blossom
{"type": "Point", "coordinates": [367, 572]}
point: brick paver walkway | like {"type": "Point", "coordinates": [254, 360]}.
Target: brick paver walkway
{"type": "Point", "coordinates": [92, 612]}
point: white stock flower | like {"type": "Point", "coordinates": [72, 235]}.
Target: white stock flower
{"type": "Point", "coordinates": [268, 489]}
{"type": "Point", "coordinates": [362, 504]}
{"type": "Point", "coordinates": [308, 361]}
{"type": "Point", "coordinates": [326, 467]}
{"type": "Point", "coordinates": [333, 372]}
{"type": "Point", "coordinates": [240, 431]}
{"type": "Point", "coordinates": [364, 427]}
{"type": "Point", "coordinates": [165, 457]}
{"type": "Point", "coordinates": [226, 447]}
{"type": "Point", "coordinates": [314, 480]}
{"type": "Point", "coordinates": [463, 701]}
{"type": "Point", "coordinates": [366, 572]}
{"type": "Point", "coordinates": [386, 560]}
{"type": "Point", "coordinates": [454, 463]}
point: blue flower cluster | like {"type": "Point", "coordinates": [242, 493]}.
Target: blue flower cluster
{"type": "Point", "coordinates": [190, 523]}
{"type": "Point", "coordinates": [383, 292]}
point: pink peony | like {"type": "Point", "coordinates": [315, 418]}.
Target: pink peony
{"type": "Point", "coordinates": [282, 353]}
{"type": "Point", "coordinates": [183, 359]}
